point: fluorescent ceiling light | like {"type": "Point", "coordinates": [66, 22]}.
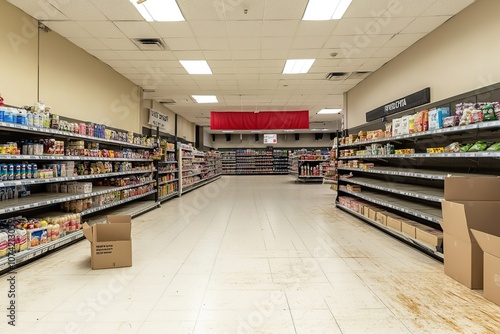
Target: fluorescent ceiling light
{"type": "Point", "coordinates": [196, 66]}
{"type": "Point", "coordinates": [295, 66]}
{"type": "Point", "coordinates": [289, 130]}
{"type": "Point", "coordinates": [205, 98]}
{"type": "Point", "coordinates": [158, 10]}
{"type": "Point", "coordinates": [256, 131]}
{"type": "Point", "coordinates": [320, 10]}
{"type": "Point", "coordinates": [227, 131]}
{"type": "Point", "coordinates": [329, 111]}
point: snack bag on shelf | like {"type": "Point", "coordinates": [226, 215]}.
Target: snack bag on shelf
{"type": "Point", "coordinates": [405, 125]}
{"type": "Point", "coordinates": [478, 146]}
{"type": "Point", "coordinates": [396, 126]}
{"type": "Point", "coordinates": [495, 147]}
{"type": "Point", "coordinates": [411, 123]}
{"type": "Point", "coordinates": [488, 112]}
{"type": "Point", "coordinates": [452, 148]}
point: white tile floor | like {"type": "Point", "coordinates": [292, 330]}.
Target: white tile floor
{"type": "Point", "coordinates": [250, 255]}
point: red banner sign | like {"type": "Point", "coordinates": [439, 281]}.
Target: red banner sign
{"type": "Point", "coordinates": [262, 120]}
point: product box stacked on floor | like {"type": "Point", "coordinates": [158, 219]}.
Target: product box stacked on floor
{"type": "Point", "coordinates": [111, 242]}
{"type": "Point", "coordinates": [470, 203]}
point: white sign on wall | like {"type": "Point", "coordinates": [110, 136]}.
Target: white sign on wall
{"type": "Point", "coordinates": [158, 119]}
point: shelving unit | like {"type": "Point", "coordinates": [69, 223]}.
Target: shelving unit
{"type": "Point", "coordinates": [254, 162]}
{"type": "Point", "coordinates": [412, 185]}
{"type": "Point", "coordinates": [280, 161]}
{"type": "Point", "coordinates": [132, 173]}
{"type": "Point", "coordinates": [168, 173]}
{"type": "Point", "coordinates": [330, 174]}
{"type": "Point", "coordinates": [228, 162]}
{"type": "Point", "coordinates": [309, 167]}
{"type": "Point", "coordinates": [197, 168]}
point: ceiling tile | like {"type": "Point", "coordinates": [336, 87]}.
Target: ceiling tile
{"type": "Point", "coordinates": [40, 10]}
{"type": "Point", "coordinates": [105, 55]}
{"type": "Point", "coordinates": [246, 54]}
{"type": "Point", "coordinates": [316, 28]}
{"type": "Point", "coordinates": [442, 7]}
{"type": "Point", "coordinates": [327, 62]}
{"type": "Point", "coordinates": [244, 28]}
{"type": "Point", "coordinates": [389, 51]}
{"type": "Point", "coordinates": [102, 29]}
{"type": "Point", "coordinates": [285, 9]}
{"type": "Point", "coordinates": [189, 55]}
{"type": "Point", "coordinates": [221, 64]}
{"type": "Point", "coordinates": [89, 43]}
{"type": "Point", "coordinates": [215, 55]}
{"type": "Point", "coordinates": [200, 10]}
{"type": "Point", "coordinates": [118, 44]}
{"type": "Point", "coordinates": [68, 29]}
{"type": "Point", "coordinates": [275, 69]}
{"type": "Point", "coordinates": [78, 10]}
{"type": "Point", "coordinates": [280, 28]}
{"type": "Point", "coordinates": [182, 44]}
{"type": "Point", "coordinates": [425, 24]}
{"type": "Point", "coordinates": [373, 64]}
{"type": "Point", "coordinates": [160, 55]}
{"type": "Point", "coordinates": [276, 43]}
{"type": "Point", "coordinates": [224, 77]}
{"type": "Point", "coordinates": [223, 70]}
{"type": "Point", "coordinates": [370, 27]}
{"type": "Point", "coordinates": [304, 54]}
{"type": "Point", "coordinates": [274, 54]}
{"type": "Point", "coordinates": [117, 10]}
{"type": "Point", "coordinates": [247, 63]}
{"type": "Point", "coordinates": [249, 43]}
{"type": "Point", "coordinates": [172, 29]}
{"type": "Point", "coordinates": [118, 63]}
{"type": "Point", "coordinates": [140, 29]}
{"type": "Point", "coordinates": [209, 29]}
{"type": "Point", "coordinates": [134, 55]}
{"type": "Point", "coordinates": [404, 39]}
{"type": "Point", "coordinates": [271, 63]}
{"type": "Point", "coordinates": [213, 43]}
{"type": "Point", "coordinates": [311, 42]}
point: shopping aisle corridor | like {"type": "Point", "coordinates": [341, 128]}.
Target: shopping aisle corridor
{"type": "Point", "coordinates": [249, 254]}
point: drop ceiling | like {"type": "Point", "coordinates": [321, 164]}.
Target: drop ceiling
{"type": "Point", "coordinates": [246, 52]}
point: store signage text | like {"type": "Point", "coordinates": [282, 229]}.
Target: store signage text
{"type": "Point", "coordinates": [411, 101]}
{"type": "Point", "coordinates": [157, 119]}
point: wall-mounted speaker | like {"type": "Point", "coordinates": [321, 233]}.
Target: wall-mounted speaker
{"type": "Point", "coordinates": [228, 137]}
{"type": "Point", "coordinates": [297, 136]}
{"type": "Point", "coordinates": [332, 136]}
{"type": "Point", "coordinates": [318, 136]}
{"type": "Point", "coordinates": [256, 137]}
{"type": "Point", "coordinates": [213, 136]}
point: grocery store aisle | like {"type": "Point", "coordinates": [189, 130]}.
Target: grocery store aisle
{"type": "Point", "coordinates": [256, 254]}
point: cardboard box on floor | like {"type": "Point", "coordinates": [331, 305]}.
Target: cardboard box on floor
{"type": "Point", "coordinates": [490, 245]}
{"type": "Point", "coordinates": [470, 202]}
{"type": "Point", "coordinates": [111, 243]}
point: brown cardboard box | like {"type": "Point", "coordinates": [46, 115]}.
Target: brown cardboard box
{"type": "Point", "coordinates": [490, 245]}
{"type": "Point", "coordinates": [409, 228]}
{"type": "Point", "coordinates": [366, 210]}
{"type": "Point", "coordinates": [373, 213]}
{"type": "Point", "coordinates": [470, 202]}
{"type": "Point", "coordinates": [382, 217]}
{"type": "Point", "coordinates": [394, 221]}
{"type": "Point", "coordinates": [429, 236]}
{"type": "Point", "coordinates": [111, 243]}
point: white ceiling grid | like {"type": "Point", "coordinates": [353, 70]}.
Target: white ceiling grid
{"type": "Point", "coordinates": [246, 51]}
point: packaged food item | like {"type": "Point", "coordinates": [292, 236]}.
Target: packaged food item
{"type": "Point", "coordinates": [436, 117]}
{"type": "Point", "coordinates": [411, 123]}
{"type": "Point", "coordinates": [451, 121]}
{"type": "Point", "coordinates": [478, 146]}
{"type": "Point", "coordinates": [465, 148]}
{"type": "Point", "coordinates": [488, 112]}
{"type": "Point", "coordinates": [452, 148]}
{"type": "Point", "coordinates": [434, 150]}
{"type": "Point", "coordinates": [396, 127]}
{"type": "Point", "coordinates": [405, 125]}
{"type": "Point", "coordinates": [495, 147]}
{"type": "Point", "coordinates": [21, 242]}
{"type": "Point", "coordinates": [4, 238]}
{"type": "Point", "coordinates": [388, 130]}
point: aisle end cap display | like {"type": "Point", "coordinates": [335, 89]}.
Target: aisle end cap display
{"type": "Point", "coordinates": [111, 242]}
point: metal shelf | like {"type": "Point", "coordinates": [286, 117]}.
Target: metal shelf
{"type": "Point", "coordinates": [35, 130]}
{"type": "Point", "coordinates": [167, 162]}
{"type": "Point", "coordinates": [169, 181]}
{"type": "Point", "coordinates": [198, 184]}
{"type": "Point", "coordinates": [407, 206]}
{"type": "Point", "coordinates": [417, 173]}
{"type": "Point", "coordinates": [44, 199]}
{"type": "Point", "coordinates": [70, 178]}
{"type": "Point", "coordinates": [456, 129]}
{"type": "Point", "coordinates": [168, 171]}
{"type": "Point", "coordinates": [65, 157]}
{"type": "Point", "coordinates": [168, 196]}
{"type": "Point", "coordinates": [110, 205]}
{"type": "Point", "coordinates": [483, 154]}
{"type": "Point", "coordinates": [416, 191]}
{"type": "Point", "coordinates": [413, 242]}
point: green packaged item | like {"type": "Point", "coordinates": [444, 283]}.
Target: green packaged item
{"type": "Point", "coordinates": [494, 147]}
{"type": "Point", "coordinates": [488, 112]}
{"type": "Point", "coordinates": [478, 146]}
{"type": "Point", "coordinates": [465, 148]}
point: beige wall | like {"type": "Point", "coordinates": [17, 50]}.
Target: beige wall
{"type": "Point", "coordinates": [18, 56]}
{"type": "Point", "coordinates": [459, 56]}
{"type": "Point", "coordinates": [77, 85]}
{"type": "Point", "coordinates": [72, 82]}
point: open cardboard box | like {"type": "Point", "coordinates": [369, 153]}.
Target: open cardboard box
{"type": "Point", "coordinates": [470, 202]}
{"type": "Point", "coordinates": [490, 244]}
{"type": "Point", "coordinates": [111, 243]}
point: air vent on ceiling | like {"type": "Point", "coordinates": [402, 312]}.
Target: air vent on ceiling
{"type": "Point", "coordinates": [149, 44]}
{"type": "Point", "coordinates": [359, 75]}
{"type": "Point", "coordinates": [336, 76]}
